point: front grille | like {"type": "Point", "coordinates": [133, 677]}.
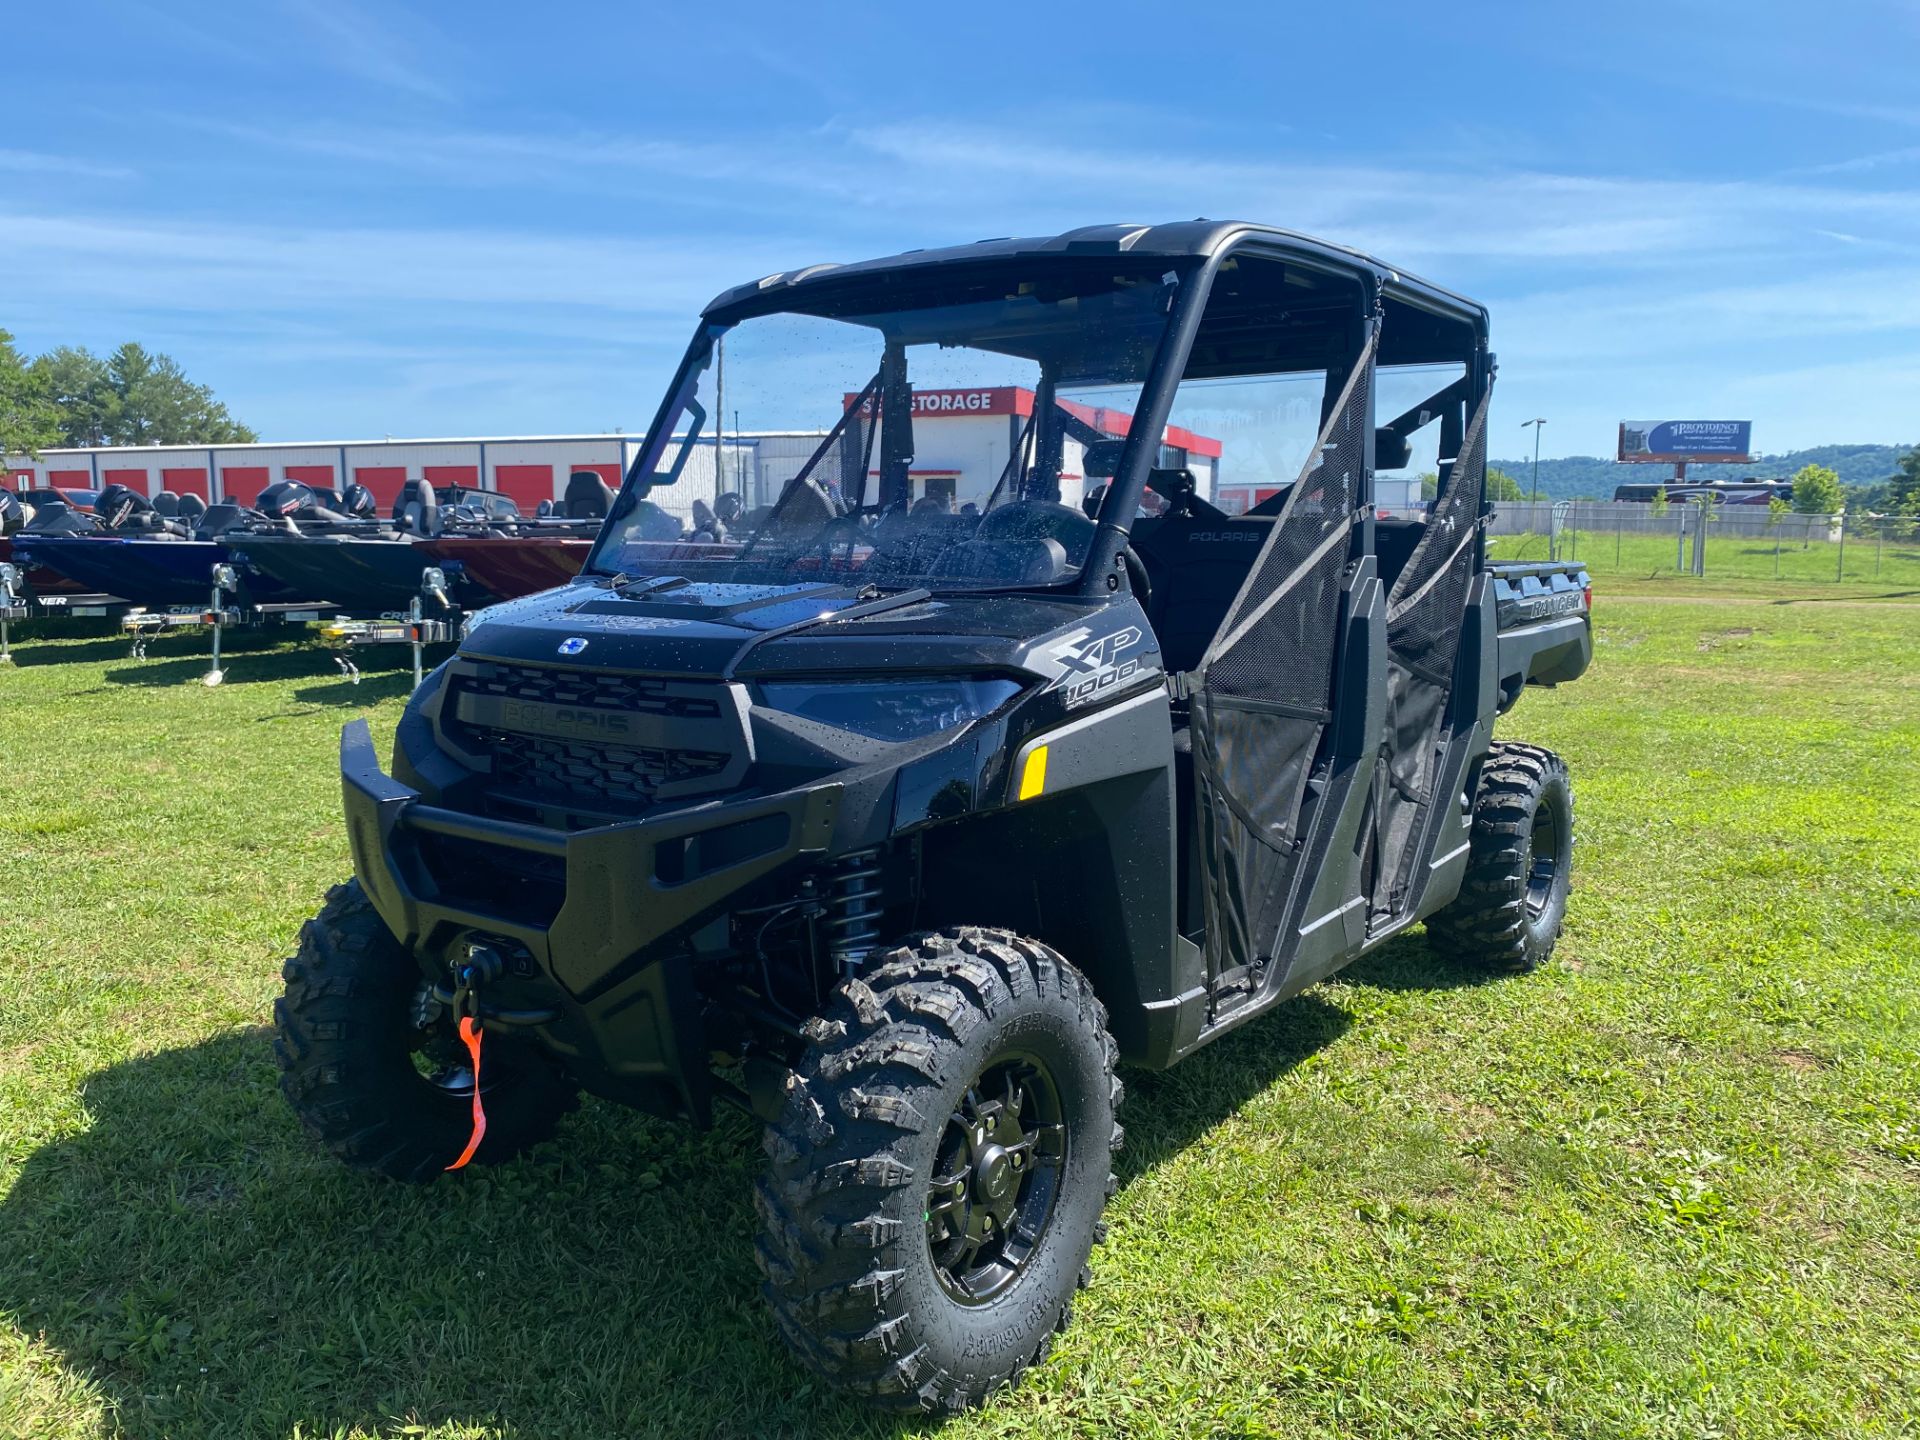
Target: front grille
{"type": "Point", "coordinates": [584, 770]}
{"type": "Point", "coordinates": [634, 695]}
{"type": "Point", "coordinates": [589, 741]}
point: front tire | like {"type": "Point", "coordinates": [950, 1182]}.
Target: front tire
{"type": "Point", "coordinates": [1513, 898]}
{"type": "Point", "coordinates": [939, 1170]}
{"type": "Point", "coordinates": [376, 1076]}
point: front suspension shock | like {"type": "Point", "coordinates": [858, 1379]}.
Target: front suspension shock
{"type": "Point", "coordinates": [853, 909]}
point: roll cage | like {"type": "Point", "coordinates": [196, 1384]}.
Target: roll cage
{"type": "Point", "coordinates": [1349, 305]}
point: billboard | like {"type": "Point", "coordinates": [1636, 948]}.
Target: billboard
{"type": "Point", "coordinates": [1677, 442]}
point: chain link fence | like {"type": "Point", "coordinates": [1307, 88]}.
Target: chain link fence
{"type": "Point", "coordinates": [1739, 541]}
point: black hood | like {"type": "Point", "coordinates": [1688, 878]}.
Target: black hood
{"type": "Point", "coordinates": [714, 629]}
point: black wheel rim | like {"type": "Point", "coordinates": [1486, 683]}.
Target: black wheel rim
{"type": "Point", "coordinates": [1543, 860]}
{"type": "Point", "coordinates": [996, 1179]}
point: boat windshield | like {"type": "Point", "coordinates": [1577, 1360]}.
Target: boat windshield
{"type": "Point", "coordinates": [897, 431]}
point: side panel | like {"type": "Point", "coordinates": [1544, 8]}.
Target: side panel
{"type": "Point", "coordinates": [1086, 865]}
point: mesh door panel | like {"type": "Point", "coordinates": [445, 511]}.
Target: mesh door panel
{"type": "Point", "coordinates": [1265, 690]}
{"type": "Point", "coordinates": [1425, 613]}
{"type": "Point", "coordinates": [1277, 641]}
{"type": "Point", "coordinates": [1428, 598]}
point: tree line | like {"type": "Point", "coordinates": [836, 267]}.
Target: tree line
{"type": "Point", "coordinates": [73, 397]}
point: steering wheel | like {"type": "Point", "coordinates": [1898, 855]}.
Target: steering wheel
{"type": "Point", "coordinates": [829, 539]}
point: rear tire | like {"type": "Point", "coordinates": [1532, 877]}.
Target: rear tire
{"type": "Point", "coordinates": [955, 1054]}
{"type": "Point", "coordinates": [1513, 899]}
{"type": "Point", "coordinates": [355, 1060]}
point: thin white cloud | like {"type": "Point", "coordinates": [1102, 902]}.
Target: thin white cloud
{"type": "Point", "coordinates": [360, 43]}
{"type": "Point", "coordinates": [1861, 164]}
{"type": "Point", "coordinates": [929, 180]}
{"type": "Point", "coordinates": [220, 268]}
{"type": "Point", "coordinates": [34, 162]}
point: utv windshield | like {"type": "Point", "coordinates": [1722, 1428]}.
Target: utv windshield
{"type": "Point", "coordinates": [897, 431]}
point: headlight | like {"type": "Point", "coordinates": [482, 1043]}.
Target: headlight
{"type": "Point", "coordinates": [889, 709]}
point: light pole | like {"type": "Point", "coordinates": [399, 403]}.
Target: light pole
{"type": "Point", "coordinates": [1535, 425]}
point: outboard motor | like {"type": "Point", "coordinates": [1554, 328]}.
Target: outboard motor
{"type": "Point", "coordinates": [359, 502]}
{"type": "Point", "coordinates": [544, 510]}
{"type": "Point", "coordinates": [117, 507]}
{"type": "Point", "coordinates": [284, 499]}
{"type": "Point", "coordinates": [13, 515]}
{"type": "Point", "coordinates": [728, 509]}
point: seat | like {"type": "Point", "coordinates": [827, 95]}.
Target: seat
{"type": "Point", "coordinates": [587, 496]}
{"type": "Point", "coordinates": [1196, 567]}
{"type": "Point", "coordinates": [1393, 545]}
{"type": "Point", "coordinates": [706, 525]}
{"type": "Point", "coordinates": [166, 503]}
{"type": "Point", "coordinates": [191, 508]}
{"type": "Point", "coordinates": [417, 508]}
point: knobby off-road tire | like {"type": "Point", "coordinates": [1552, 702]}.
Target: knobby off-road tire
{"type": "Point", "coordinates": [898, 1073]}
{"type": "Point", "coordinates": [1520, 863]}
{"type": "Point", "coordinates": [347, 1040]}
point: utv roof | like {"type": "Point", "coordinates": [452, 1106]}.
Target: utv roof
{"type": "Point", "coordinates": [1185, 239]}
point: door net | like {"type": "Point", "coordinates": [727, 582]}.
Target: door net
{"type": "Point", "coordinates": [1425, 613]}
{"type": "Point", "coordinates": [1265, 690]}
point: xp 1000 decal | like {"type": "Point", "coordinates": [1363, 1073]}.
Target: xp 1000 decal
{"type": "Point", "coordinates": [1086, 666]}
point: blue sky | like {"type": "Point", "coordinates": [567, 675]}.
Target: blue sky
{"type": "Point", "coordinates": [357, 219]}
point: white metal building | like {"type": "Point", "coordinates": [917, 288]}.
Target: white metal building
{"type": "Point", "coordinates": [962, 439]}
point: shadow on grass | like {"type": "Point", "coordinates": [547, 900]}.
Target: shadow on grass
{"type": "Point", "coordinates": [377, 682]}
{"type": "Point", "coordinates": [381, 677]}
{"type": "Point", "coordinates": [1830, 599]}
{"type": "Point", "coordinates": [1406, 963]}
{"type": "Point", "coordinates": [193, 1255]}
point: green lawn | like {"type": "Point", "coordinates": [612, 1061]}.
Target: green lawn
{"type": "Point", "coordinates": [1668, 1187]}
{"type": "Point", "coordinates": [1867, 559]}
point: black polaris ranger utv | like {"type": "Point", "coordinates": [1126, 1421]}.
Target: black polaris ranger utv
{"type": "Point", "coordinates": [900, 823]}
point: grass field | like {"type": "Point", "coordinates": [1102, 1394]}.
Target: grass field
{"type": "Point", "coordinates": [1867, 559]}
{"type": "Point", "coordinates": [1669, 1187]}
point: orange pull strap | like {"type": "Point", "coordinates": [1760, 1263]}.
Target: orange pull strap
{"type": "Point", "coordinates": [471, 1032]}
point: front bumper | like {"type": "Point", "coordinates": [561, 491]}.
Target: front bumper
{"type": "Point", "coordinates": [604, 927]}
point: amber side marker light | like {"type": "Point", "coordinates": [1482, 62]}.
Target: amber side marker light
{"type": "Point", "coordinates": [1033, 778]}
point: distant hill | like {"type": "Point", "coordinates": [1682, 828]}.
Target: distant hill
{"type": "Point", "coordinates": [1593, 477]}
